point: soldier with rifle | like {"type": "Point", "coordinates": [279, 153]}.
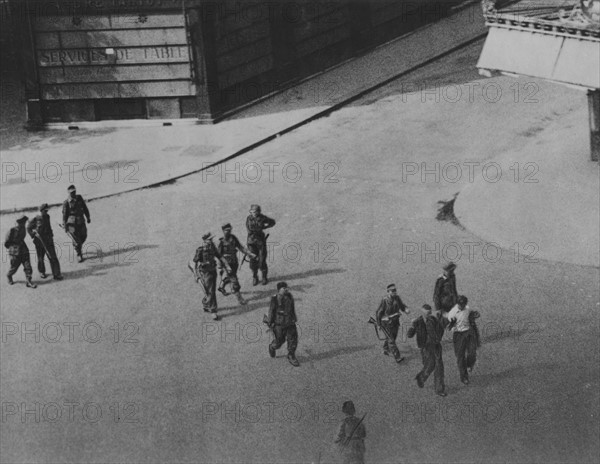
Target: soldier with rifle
{"type": "Point", "coordinates": [388, 319]}
{"type": "Point", "coordinates": [228, 248]}
{"type": "Point", "coordinates": [256, 223]}
{"type": "Point", "coordinates": [351, 436]}
{"type": "Point", "coordinates": [282, 321]}
{"type": "Point", "coordinates": [18, 252]}
{"type": "Point", "coordinates": [204, 267]}
{"type": "Point", "coordinates": [75, 213]}
{"type": "Point", "coordinates": [40, 231]}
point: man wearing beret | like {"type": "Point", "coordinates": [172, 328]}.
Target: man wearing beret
{"type": "Point", "coordinates": [444, 293]}
{"type": "Point", "coordinates": [429, 331]}
{"type": "Point", "coordinates": [204, 267]}
{"type": "Point", "coordinates": [282, 320]}
{"type": "Point", "coordinates": [351, 436]}
{"type": "Point", "coordinates": [40, 231]}
{"type": "Point", "coordinates": [75, 212]}
{"type": "Point", "coordinates": [18, 251]}
{"type": "Point", "coordinates": [256, 222]}
{"type": "Point", "coordinates": [388, 318]}
{"type": "Point", "coordinates": [228, 248]}
{"type": "Point", "coordinates": [465, 337]}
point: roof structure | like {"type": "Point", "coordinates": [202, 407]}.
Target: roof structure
{"type": "Point", "coordinates": [556, 40]}
{"type": "Point", "coordinates": [579, 17]}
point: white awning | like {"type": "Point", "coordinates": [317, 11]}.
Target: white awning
{"type": "Point", "coordinates": [559, 58]}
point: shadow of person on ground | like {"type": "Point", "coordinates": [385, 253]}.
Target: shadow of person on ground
{"type": "Point", "coordinates": [95, 264]}
{"type": "Point", "coordinates": [331, 353]}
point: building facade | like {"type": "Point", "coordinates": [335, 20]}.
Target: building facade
{"type": "Point", "coordinates": [93, 60]}
{"type": "Point", "coordinates": [555, 40]}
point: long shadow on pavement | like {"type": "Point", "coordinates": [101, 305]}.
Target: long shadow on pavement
{"type": "Point", "coordinates": [96, 269]}
{"type": "Point", "coordinates": [301, 275]}
{"type": "Point", "coordinates": [332, 353]}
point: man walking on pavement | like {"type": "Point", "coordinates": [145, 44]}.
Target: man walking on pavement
{"type": "Point", "coordinates": [40, 231]}
{"type": "Point", "coordinates": [429, 332]}
{"type": "Point", "coordinates": [351, 436]}
{"type": "Point", "coordinates": [204, 267]}
{"type": "Point", "coordinates": [388, 318]}
{"type": "Point", "coordinates": [465, 339]}
{"type": "Point", "coordinates": [75, 212]}
{"type": "Point", "coordinates": [282, 320]}
{"type": "Point", "coordinates": [228, 248]}
{"type": "Point", "coordinates": [257, 242]}
{"type": "Point", "coordinates": [444, 293]}
{"type": "Point", "coordinates": [18, 252]}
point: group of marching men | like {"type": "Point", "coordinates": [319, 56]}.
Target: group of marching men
{"type": "Point", "coordinates": [75, 215]}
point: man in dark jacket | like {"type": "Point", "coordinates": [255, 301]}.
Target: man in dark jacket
{"type": "Point", "coordinates": [282, 320]}
{"type": "Point", "coordinates": [18, 251]}
{"type": "Point", "coordinates": [75, 213]}
{"type": "Point", "coordinates": [256, 222]}
{"type": "Point", "coordinates": [444, 293]}
{"type": "Point", "coordinates": [351, 436]}
{"type": "Point", "coordinates": [388, 318]}
{"type": "Point", "coordinates": [40, 231]}
{"type": "Point", "coordinates": [429, 331]}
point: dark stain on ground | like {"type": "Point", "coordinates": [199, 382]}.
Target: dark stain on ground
{"type": "Point", "coordinates": [446, 211]}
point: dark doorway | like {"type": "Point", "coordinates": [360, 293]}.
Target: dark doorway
{"type": "Point", "coordinates": [120, 108]}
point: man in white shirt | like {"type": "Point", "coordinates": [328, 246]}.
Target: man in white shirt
{"type": "Point", "coordinates": [462, 321]}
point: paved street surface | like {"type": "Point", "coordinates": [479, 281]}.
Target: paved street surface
{"type": "Point", "coordinates": [127, 368]}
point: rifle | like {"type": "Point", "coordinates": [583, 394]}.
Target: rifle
{"type": "Point", "coordinates": [246, 256]}
{"type": "Point", "coordinates": [66, 229]}
{"type": "Point", "coordinates": [377, 326]}
{"type": "Point", "coordinates": [39, 237]}
{"type": "Point", "coordinates": [349, 437]}
{"type": "Point", "coordinates": [266, 322]}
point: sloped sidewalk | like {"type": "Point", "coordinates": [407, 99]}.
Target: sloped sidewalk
{"type": "Point", "coordinates": [106, 161]}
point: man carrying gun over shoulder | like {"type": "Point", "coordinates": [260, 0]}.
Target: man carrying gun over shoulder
{"type": "Point", "coordinates": [388, 318]}
{"type": "Point", "coordinates": [40, 230]}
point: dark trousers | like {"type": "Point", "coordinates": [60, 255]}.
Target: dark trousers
{"type": "Point", "coordinates": [433, 362]}
{"type": "Point", "coordinates": [78, 234]}
{"type": "Point", "coordinates": [465, 349]}
{"type": "Point", "coordinates": [283, 334]}
{"type": "Point", "coordinates": [49, 250]}
{"type": "Point", "coordinates": [260, 262]}
{"type": "Point", "coordinates": [390, 338]}
{"type": "Point", "coordinates": [208, 279]}
{"type": "Point", "coordinates": [16, 261]}
{"type": "Point", "coordinates": [232, 277]}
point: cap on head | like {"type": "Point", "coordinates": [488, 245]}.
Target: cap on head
{"type": "Point", "coordinates": [450, 266]}
{"type": "Point", "coordinates": [426, 307]}
{"type": "Point", "coordinates": [462, 300]}
{"type": "Point", "coordinates": [348, 407]}
{"type": "Point", "coordinates": [44, 207]}
{"type": "Point", "coordinates": [226, 226]}
{"type": "Point", "coordinates": [207, 236]}
{"type": "Point", "coordinates": [281, 285]}
{"type": "Point", "coordinates": [71, 187]}
{"type": "Point", "coordinates": [254, 208]}
{"type": "Point", "coordinates": [22, 219]}
{"type": "Point", "coordinates": [391, 287]}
